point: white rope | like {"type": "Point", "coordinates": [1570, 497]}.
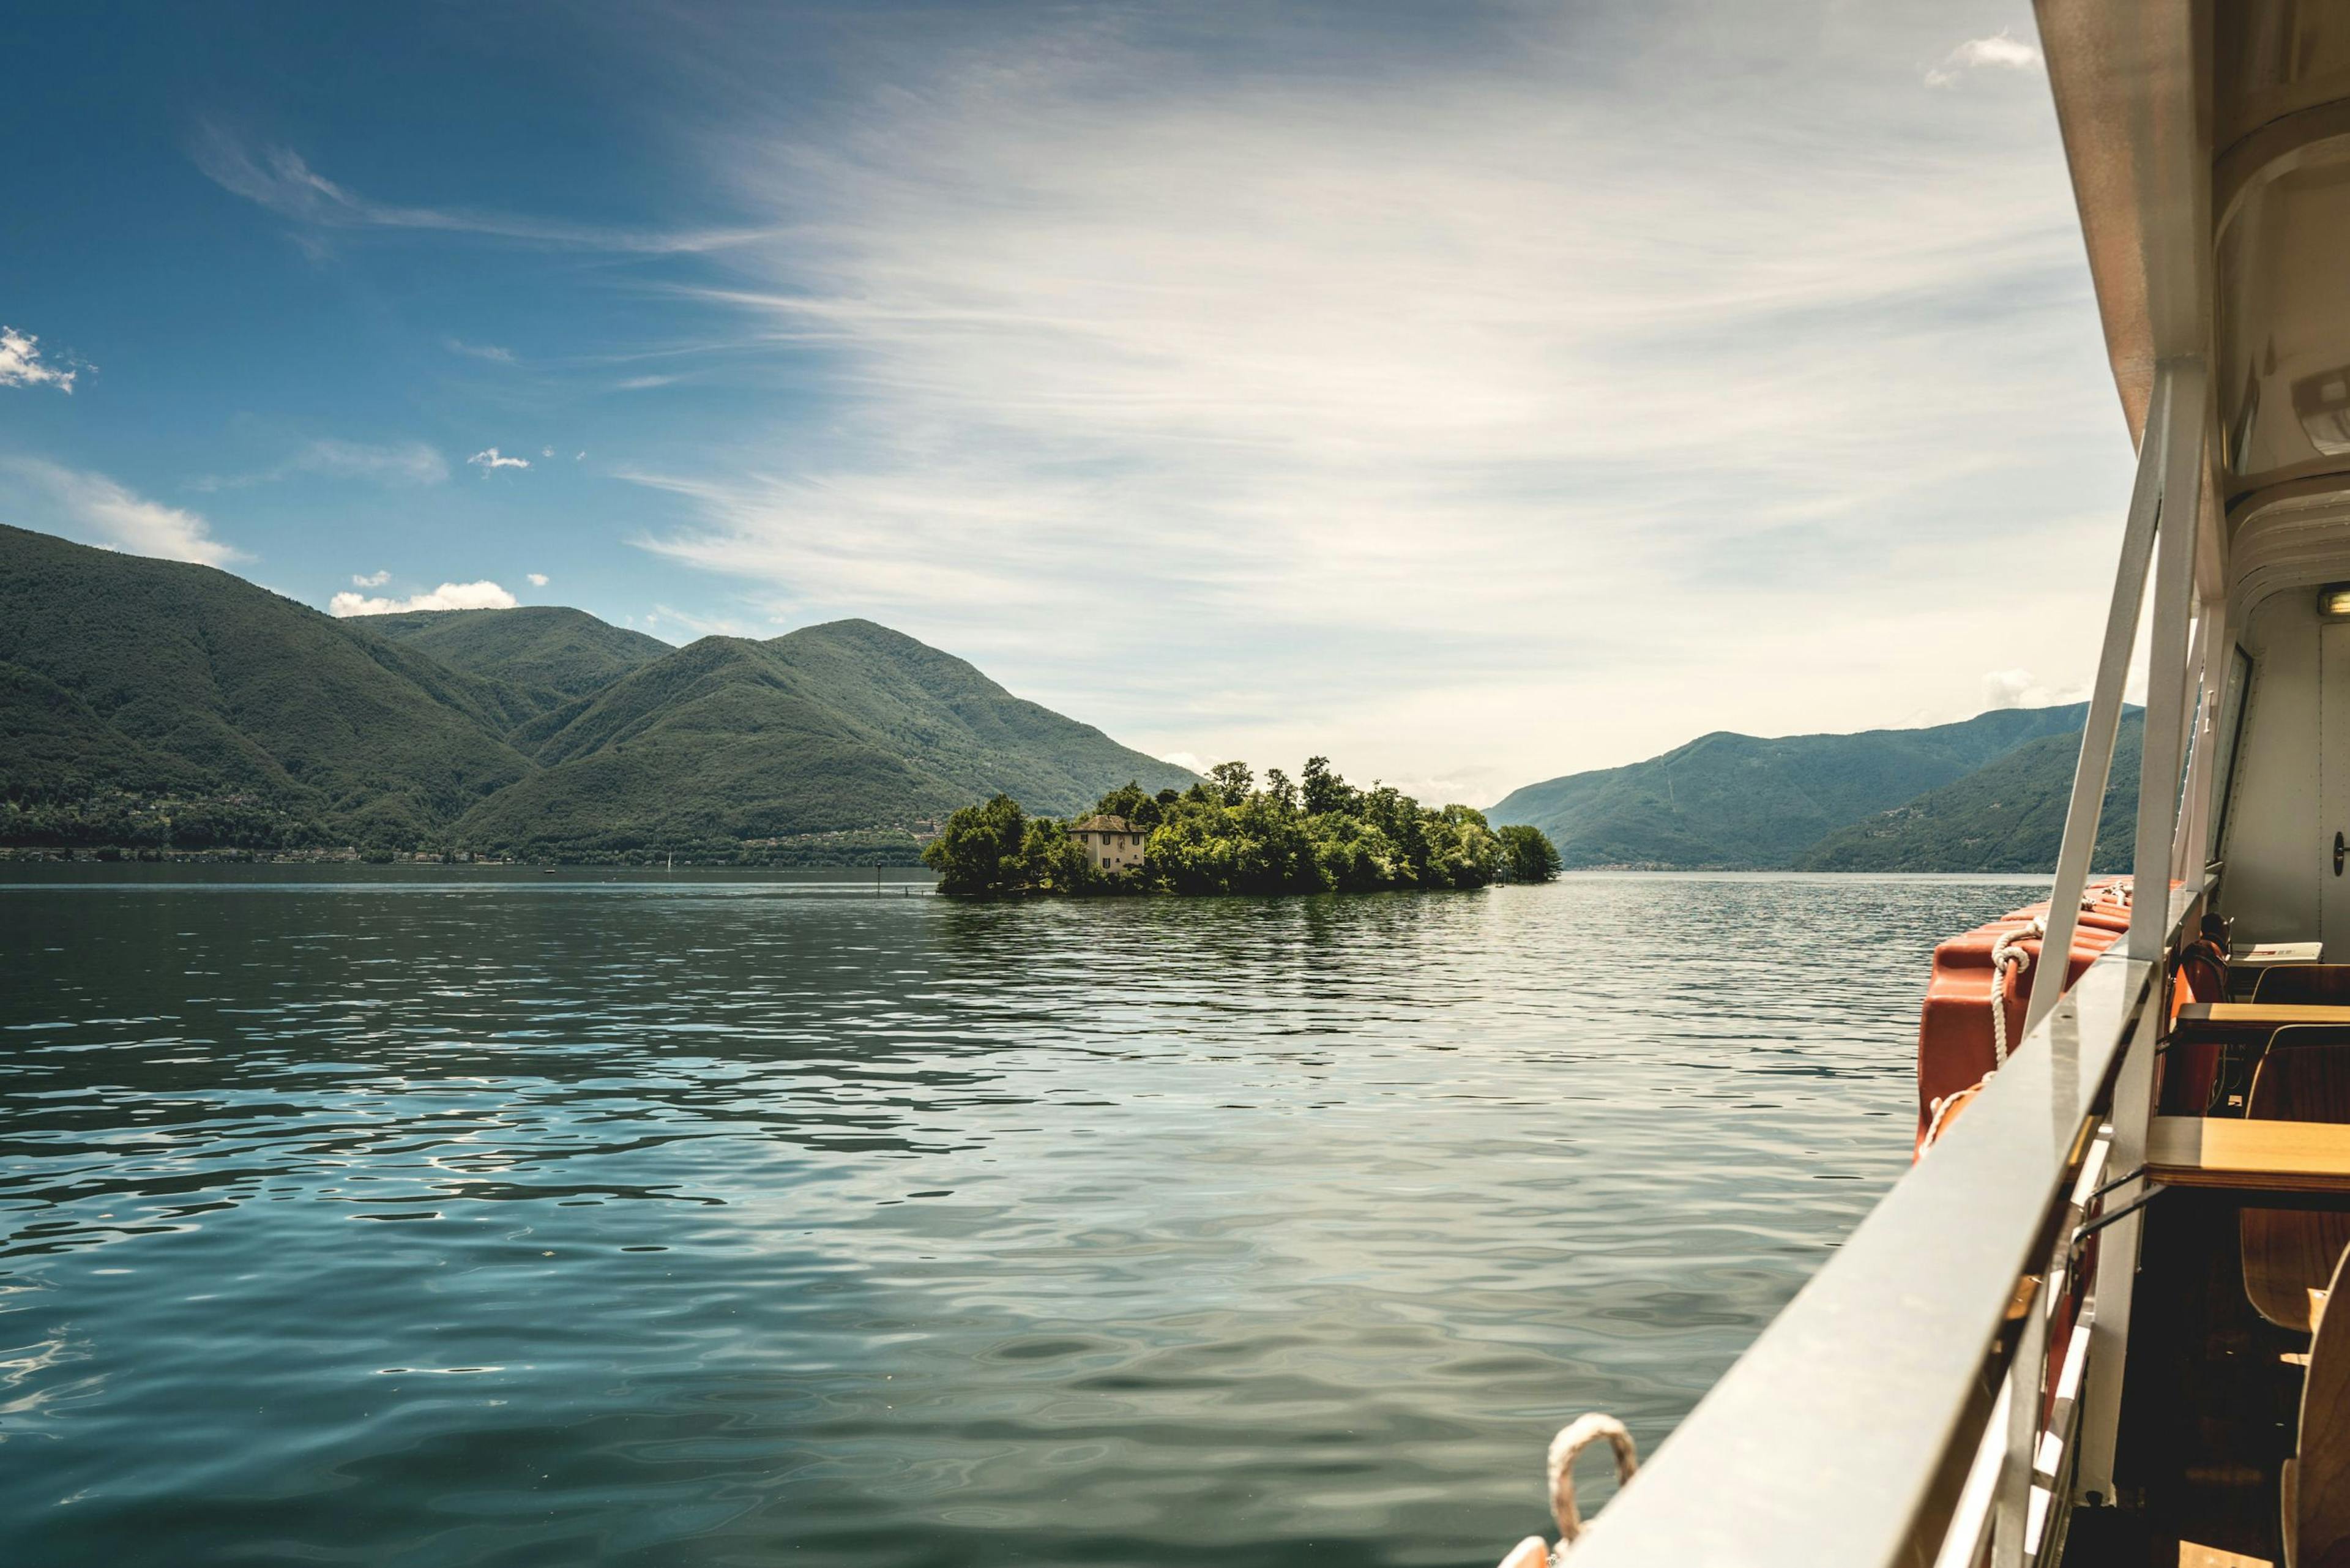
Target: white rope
{"type": "Point", "coordinates": [2007, 950]}
{"type": "Point", "coordinates": [1943, 1107]}
{"type": "Point", "coordinates": [1572, 1439]}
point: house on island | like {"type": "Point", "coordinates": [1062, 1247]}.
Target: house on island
{"type": "Point", "coordinates": [1112, 843]}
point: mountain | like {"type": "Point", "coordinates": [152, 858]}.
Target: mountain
{"type": "Point", "coordinates": [140, 678]}
{"type": "Point", "coordinates": [153, 704]}
{"type": "Point", "coordinates": [2006, 816]}
{"type": "Point", "coordinates": [1728, 801]}
{"type": "Point", "coordinates": [829, 729]}
{"type": "Point", "coordinates": [548, 652]}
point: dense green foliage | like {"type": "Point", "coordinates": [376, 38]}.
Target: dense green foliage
{"type": "Point", "coordinates": [1531, 856]}
{"type": "Point", "coordinates": [1733, 801]}
{"type": "Point", "coordinates": [154, 704]}
{"type": "Point", "coordinates": [547, 654]}
{"type": "Point", "coordinates": [2008, 815]}
{"type": "Point", "coordinates": [197, 692]}
{"type": "Point", "coordinates": [836, 727]}
{"type": "Point", "coordinates": [1227, 834]}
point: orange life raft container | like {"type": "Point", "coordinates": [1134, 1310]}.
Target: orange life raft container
{"type": "Point", "coordinates": [1956, 1047]}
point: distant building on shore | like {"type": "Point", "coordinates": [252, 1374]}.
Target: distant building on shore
{"type": "Point", "coordinates": [1112, 843]}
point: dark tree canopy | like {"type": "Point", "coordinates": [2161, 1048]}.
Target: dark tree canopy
{"type": "Point", "coordinates": [1226, 835]}
{"type": "Point", "coordinates": [1533, 856]}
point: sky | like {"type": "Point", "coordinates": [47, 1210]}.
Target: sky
{"type": "Point", "coordinates": [1469, 393]}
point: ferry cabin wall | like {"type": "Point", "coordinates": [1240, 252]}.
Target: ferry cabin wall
{"type": "Point", "coordinates": [2277, 840]}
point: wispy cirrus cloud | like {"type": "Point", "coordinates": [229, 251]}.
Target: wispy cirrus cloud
{"type": "Point", "coordinates": [481, 594]}
{"type": "Point", "coordinates": [489, 458]}
{"type": "Point", "coordinates": [394, 462]}
{"type": "Point", "coordinates": [1998, 51]}
{"type": "Point", "coordinates": [279, 179]}
{"type": "Point", "coordinates": [489, 351]}
{"type": "Point", "coordinates": [21, 364]}
{"type": "Point", "coordinates": [96, 510]}
{"type": "Point", "coordinates": [1455, 393]}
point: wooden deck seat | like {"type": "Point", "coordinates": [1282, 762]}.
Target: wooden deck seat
{"type": "Point", "coordinates": [2326, 984]}
{"type": "Point", "coordinates": [2316, 1491]}
{"type": "Point", "coordinates": [2304, 1076]}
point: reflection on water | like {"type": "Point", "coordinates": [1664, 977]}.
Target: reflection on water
{"type": "Point", "coordinates": [663, 1221]}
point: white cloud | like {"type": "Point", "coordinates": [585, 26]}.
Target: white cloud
{"type": "Point", "coordinates": [1493, 413]}
{"type": "Point", "coordinates": [372, 580]}
{"type": "Point", "coordinates": [21, 366]}
{"type": "Point", "coordinates": [404, 462]}
{"type": "Point", "coordinates": [491, 458]}
{"type": "Point", "coordinates": [96, 510]}
{"type": "Point", "coordinates": [1998, 51]}
{"type": "Point", "coordinates": [395, 462]}
{"type": "Point", "coordinates": [2021, 689]}
{"type": "Point", "coordinates": [279, 178]}
{"type": "Point", "coordinates": [547, 451]}
{"type": "Point", "coordinates": [537, 579]}
{"type": "Point", "coordinates": [1198, 764]}
{"type": "Point", "coordinates": [576, 456]}
{"type": "Point", "coordinates": [483, 595]}
{"type": "Point", "coordinates": [490, 351]}
{"type": "Point", "coordinates": [2008, 688]}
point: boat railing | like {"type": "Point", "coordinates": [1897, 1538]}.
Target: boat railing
{"type": "Point", "coordinates": [1905, 1408]}
{"type": "Point", "coordinates": [1945, 1392]}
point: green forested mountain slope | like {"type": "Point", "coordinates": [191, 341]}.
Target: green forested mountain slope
{"type": "Point", "coordinates": [1727, 800]}
{"type": "Point", "coordinates": [551, 652]}
{"type": "Point", "coordinates": [211, 685]}
{"type": "Point", "coordinates": [152, 703]}
{"type": "Point", "coordinates": [833, 727]}
{"type": "Point", "coordinates": [2007, 815]}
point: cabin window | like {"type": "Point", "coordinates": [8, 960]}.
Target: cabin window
{"type": "Point", "coordinates": [2234, 705]}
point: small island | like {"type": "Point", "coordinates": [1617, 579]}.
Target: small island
{"type": "Point", "coordinates": [1315, 834]}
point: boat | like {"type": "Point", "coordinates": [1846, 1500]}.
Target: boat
{"type": "Point", "coordinates": [2087, 1326]}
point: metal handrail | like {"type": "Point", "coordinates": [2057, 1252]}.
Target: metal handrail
{"type": "Point", "coordinates": [1888, 1418]}
{"type": "Point", "coordinates": [1845, 1435]}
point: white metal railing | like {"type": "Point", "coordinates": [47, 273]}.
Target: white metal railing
{"type": "Point", "coordinates": [1905, 1408]}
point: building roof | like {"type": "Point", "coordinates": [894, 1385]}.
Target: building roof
{"type": "Point", "coordinates": [1104, 825]}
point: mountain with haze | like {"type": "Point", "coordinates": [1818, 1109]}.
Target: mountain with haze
{"type": "Point", "coordinates": [2006, 816]}
{"type": "Point", "coordinates": [148, 703]}
{"type": "Point", "coordinates": [1973, 796]}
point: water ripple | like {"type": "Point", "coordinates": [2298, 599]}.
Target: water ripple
{"type": "Point", "coordinates": [413, 1221]}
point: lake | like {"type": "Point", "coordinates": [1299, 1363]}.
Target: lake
{"type": "Point", "coordinates": [466, 1217]}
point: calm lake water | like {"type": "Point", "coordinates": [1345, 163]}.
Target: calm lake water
{"type": "Point", "coordinates": [453, 1217]}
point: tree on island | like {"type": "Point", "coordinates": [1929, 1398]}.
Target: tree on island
{"type": "Point", "coordinates": [1226, 834]}
{"type": "Point", "coordinates": [1533, 856]}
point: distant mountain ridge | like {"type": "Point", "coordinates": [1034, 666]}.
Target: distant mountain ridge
{"type": "Point", "coordinates": [147, 703]}
{"type": "Point", "coordinates": [2006, 816]}
{"type": "Point", "coordinates": [1728, 801]}
{"type": "Point", "coordinates": [554, 653]}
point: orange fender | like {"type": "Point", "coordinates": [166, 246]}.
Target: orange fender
{"type": "Point", "coordinates": [1954, 1030]}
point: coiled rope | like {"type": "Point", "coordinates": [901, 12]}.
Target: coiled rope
{"type": "Point", "coordinates": [1572, 1439]}
{"type": "Point", "coordinates": [2008, 951]}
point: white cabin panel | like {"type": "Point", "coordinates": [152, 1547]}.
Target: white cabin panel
{"type": "Point", "coordinates": [2273, 835]}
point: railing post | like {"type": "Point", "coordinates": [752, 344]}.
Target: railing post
{"type": "Point", "coordinates": [2165, 667]}
{"type": "Point", "coordinates": [2185, 416]}
{"type": "Point", "coordinates": [2186, 846]}
{"type": "Point", "coordinates": [2026, 1372]}
{"type": "Point", "coordinates": [2089, 773]}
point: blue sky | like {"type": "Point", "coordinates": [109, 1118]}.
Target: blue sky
{"type": "Point", "coordinates": [1470, 393]}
